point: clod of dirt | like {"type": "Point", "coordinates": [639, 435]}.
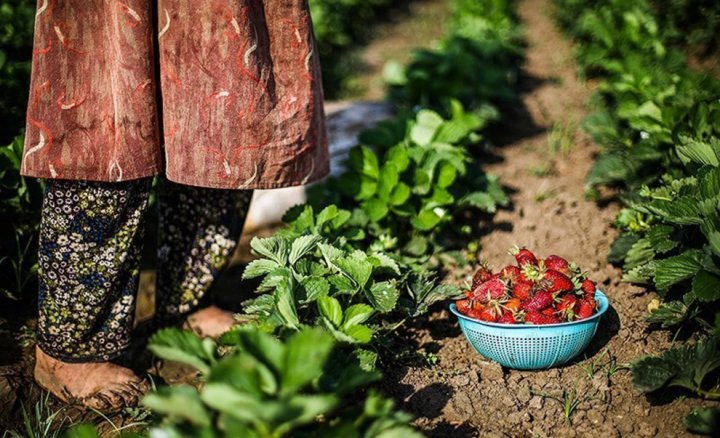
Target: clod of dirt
{"type": "Point", "coordinates": [491, 371]}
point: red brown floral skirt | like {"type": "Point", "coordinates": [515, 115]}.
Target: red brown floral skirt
{"type": "Point", "coordinates": [229, 89]}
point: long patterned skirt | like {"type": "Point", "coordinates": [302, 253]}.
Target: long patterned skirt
{"type": "Point", "coordinates": [91, 239]}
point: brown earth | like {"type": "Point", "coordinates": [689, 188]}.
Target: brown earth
{"type": "Point", "coordinates": [462, 394]}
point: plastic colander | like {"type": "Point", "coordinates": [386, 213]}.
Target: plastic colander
{"type": "Point", "coordinates": [531, 347]}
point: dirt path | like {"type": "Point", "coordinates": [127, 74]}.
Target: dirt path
{"type": "Point", "coordinates": [455, 392]}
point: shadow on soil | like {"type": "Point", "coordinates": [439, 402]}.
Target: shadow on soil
{"type": "Point", "coordinates": [445, 429]}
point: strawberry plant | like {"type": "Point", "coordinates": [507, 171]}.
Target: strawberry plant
{"type": "Point", "coordinates": [265, 387]}
{"type": "Point", "coordinates": [340, 27]}
{"type": "Point", "coordinates": [410, 177]}
{"type": "Point", "coordinates": [306, 280]}
{"type": "Point", "coordinates": [484, 33]}
{"type": "Point", "coordinates": [687, 366]}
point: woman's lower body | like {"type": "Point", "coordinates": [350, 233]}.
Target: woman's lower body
{"type": "Point", "coordinates": [91, 241]}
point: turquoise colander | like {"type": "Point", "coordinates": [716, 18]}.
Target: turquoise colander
{"type": "Point", "coordinates": [531, 347]}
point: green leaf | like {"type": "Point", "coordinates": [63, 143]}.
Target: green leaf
{"type": "Point", "coordinates": [483, 201]}
{"type": "Point", "coordinates": [300, 217]}
{"type": "Point", "coordinates": [259, 267]}
{"type": "Point", "coordinates": [621, 246]}
{"type": "Point", "coordinates": [709, 184]}
{"type": "Point", "coordinates": [652, 373]}
{"type": "Point", "coordinates": [315, 287]}
{"type": "Point", "coordinates": [684, 366]}
{"type": "Point", "coordinates": [176, 345]}
{"type": "Point", "coordinates": [681, 211]}
{"type": "Point", "coordinates": [706, 286]}
{"type": "Point", "coordinates": [417, 246]}
{"type": "Point", "coordinates": [273, 279]}
{"type": "Point", "coordinates": [446, 175]}
{"type": "Point", "coordinates": [263, 347]}
{"type": "Point", "coordinates": [273, 248]}
{"type": "Point", "coordinates": [342, 284]}
{"type": "Point", "coordinates": [422, 133]}
{"type": "Point", "coordinates": [611, 167]}
{"type": "Point", "coordinates": [382, 261]}
{"type": "Point", "coordinates": [327, 214]}
{"type": "Point", "coordinates": [376, 208]}
{"type": "Point", "coordinates": [651, 110]}
{"type": "Point", "coordinates": [367, 359]}
{"type": "Point", "coordinates": [426, 220]}
{"type": "Point", "coordinates": [330, 308]}
{"type": "Point", "coordinates": [330, 253]}
{"type": "Point", "coordinates": [669, 314]}
{"type": "Point", "coordinates": [398, 156]}
{"type": "Point", "coordinates": [711, 229]}
{"type": "Point", "coordinates": [362, 334]}
{"type": "Point", "coordinates": [178, 403]}
{"type": "Point", "coordinates": [400, 194]}
{"type": "Point", "coordinates": [301, 246]}
{"type": "Point", "coordinates": [673, 270]}
{"type": "Point", "coordinates": [383, 296]}
{"type": "Point", "coordinates": [697, 151]}
{"type": "Point", "coordinates": [82, 430]}
{"type": "Point", "coordinates": [356, 314]}
{"type": "Point", "coordinates": [228, 400]}
{"type": "Point", "coordinates": [285, 303]}
{"type": "Point", "coordinates": [660, 238]}
{"type": "Point", "coordinates": [364, 161]}
{"type": "Point", "coordinates": [640, 253]}
{"type": "Point", "coordinates": [389, 177]}
{"type": "Point", "coordinates": [705, 421]}
{"type": "Point", "coordinates": [641, 274]}
{"type": "Point", "coordinates": [302, 409]}
{"type": "Point", "coordinates": [305, 356]}
{"type": "Point", "coordinates": [356, 266]}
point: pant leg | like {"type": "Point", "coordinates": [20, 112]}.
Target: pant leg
{"type": "Point", "coordinates": [89, 260]}
{"type": "Point", "coordinates": [199, 229]}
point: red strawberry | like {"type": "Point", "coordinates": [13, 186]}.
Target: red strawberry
{"type": "Point", "coordinates": [513, 304]}
{"type": "Point", "coordinates": [541, 300]}
{"type": "Point", "coordinates": [493, 289]}
{"type": "Point", "coordinates": [488, 314]}
{"type": "Point", "coordinates": [522, 290]}
{"type": "Point", "coordinates": [588, 286]}
{"type": "Point", "coordinates": [566, 306]}
{"type": "Point", "coordinates": [463, 306]}
{"type": "Point", "coordinates": [557, 263]}
{"type": "Point", "coordinates": [550, 311]}
{"type": "Point", "coordinates": [554, 281]}
{"type": "Point", "coordinates": [524, 256]}
{"type": "Point", "coordinates": [507, 318]}
{"type": "Point", "coordinates": [511, 274]}
{"type": "Point", "coordinates": [539, 319]}
{"type": "Point", "coordinates": [472, 313]}
{"type": "Point", "coordinates": [482, 275]}
{"type": "Point", "coordinates": [586, 308]}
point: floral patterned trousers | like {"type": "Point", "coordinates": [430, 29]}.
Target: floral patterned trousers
{"type": "Point", "coordinates": [91, 240]}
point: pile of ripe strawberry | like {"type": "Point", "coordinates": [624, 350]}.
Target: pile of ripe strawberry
{"type": "Point", "coordinates": [536, 291]}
